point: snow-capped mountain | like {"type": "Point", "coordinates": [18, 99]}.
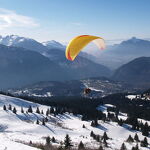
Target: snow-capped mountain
{"type": "Point", "coordinates": [119, 54]}
{"type": "Point", "coordinates": [111, 57]}
{"type": "Point", "coordinates": [137, 41]}
{"type": "Point", "coordinates": [51, 49]}
{"type": "Point", "coordinates": [54, 44]}
{"type": "Point", "coordinates": [30, 44]}
{"type": "Point", "coordinates": [27, 43]}
{"type": "Point", "coordinates": [12, 40]}
{"type": "Point", "coordinates": [83, 67]}
{"type": "Point", "coordinates": [20, 130]}
{"type": "Point", "coordinates": [20, 67]}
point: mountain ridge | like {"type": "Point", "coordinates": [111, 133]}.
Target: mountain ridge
{"type": "Point", "coordinates": [119, 54]}
{"type": "Point", "coordinates": [17, 61]}
{"type": "Point", "coordinates": [136, 72]}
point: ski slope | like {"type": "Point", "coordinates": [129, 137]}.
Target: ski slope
{"type": "Point", "coordinates": [22, 127]}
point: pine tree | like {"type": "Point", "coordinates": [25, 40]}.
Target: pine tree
{"type": "Point", "coordinates": [100, 147]}
{"type": "Point", "coordinates": [104, 117]}
{"type": "Point", "coordinates": [22, 111]}
{"type": "Point", "coordinates": [4, 107]}
{"type": "Point", "coordinates": [48, 140]}
{"type": "Point", "coordinates": [97, 138]}
{"type": "Point", "coordinates": [37, 122]}
{"type": "Point", "coordinates": [53, 140]}
{"type": "Point", "coordinates": [42, 112]}
{"type": "Point", "coordinates": [105, 137]}
{"type": "Point", "coordinates": [9, 107]}
{"type": "Point", "coordinates": [14, 110]}
{"type": "Point", "coordinates": [83, 126]}
{"type": "Point", "coordinates": [136, 138]}
{"type": "Point", "coordinates": [144, 143]}
{"type": "Point", "coordinates": [92, 123]}
{"type": "Point", "coordinates": [92, 133]}
{"type": "Point", "coordinates": [130, 139]}
{"type": "Point", "coordinates": [81, 146]}
{"type": "Point", "coordinates": [30, 109]}
{"type": "Point", "coordinates": [117, 113]}
{"type": "Point", "coordinates": [133, 148]}
{"type": "Point", "coordinates": [47, 112]}
{"type": "Point", "coordinates": [95, 122]}
{"type": "Point", "coordinates": [134, 123]}
{"type": "Point", "coordinates": [55, 114]}
{"type": "Point", "coordinates": [105, 143]}
{"type": "Point", "coordinates": [136, 147]}
{"type": "Point", "coordinates": [145, 130]}
{"type": "Point", "coordinates": [123, 147]}
{"type": "Point", "coordinates": [51, 110]}
{"type": "Point", "coordinates": [61, 146]}
{"type": "Point", "coordinates": [137, 127]}
{"type": "Point", "coordinates": [94, 136]}
{"type": "Point", "coordinates": [46, 119]}
{"type": "Point", "coordinates": [120, 122]}
{"type": "Point", "coordinates": [67, 142]}
{"type": "Point", "coordinates": [30, 142]}
{"type": "Point", "coordinates": [37, 110]}
{"type": "Point", "coordinates": [56, 111]}
{"type": "Point", "coordinates": [43, 122]}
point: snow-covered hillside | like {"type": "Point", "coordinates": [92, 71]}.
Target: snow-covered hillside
{"type": "Point", "coordinates": [54, 44]}
{"type": "Point", "coordinates": [22, 127]}
{"type": "Point", "coordinates": [11, 40]}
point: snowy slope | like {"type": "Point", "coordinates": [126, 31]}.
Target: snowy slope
{"type": "Point", "coordinates": [11, 40]}
{"type": "Point", "coordinates": [22, 127]}
{"type": "Point", "coordinates": [54, 44]}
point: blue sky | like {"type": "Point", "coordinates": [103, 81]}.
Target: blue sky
{"type": "Point", "coordinates": [63, 19]}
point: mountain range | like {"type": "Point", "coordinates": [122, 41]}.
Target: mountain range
{"type": "Point", "coordinates": [136, 72]}
{"type": "Point", "coordinates": [25, 61]}
{"type": "Point", "coordinates": [19, 66]}
{"type": "Point", "coordinates": [119, 54]}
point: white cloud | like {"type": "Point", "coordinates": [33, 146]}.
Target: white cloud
{"type": "Point", "coordinates": [10, 19]}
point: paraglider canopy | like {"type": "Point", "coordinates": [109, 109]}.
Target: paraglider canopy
{"type": "Point", "coordinates": [78, 43]}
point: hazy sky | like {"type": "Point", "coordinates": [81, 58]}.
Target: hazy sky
{"type": "Point", "coordinates": [63, 19]}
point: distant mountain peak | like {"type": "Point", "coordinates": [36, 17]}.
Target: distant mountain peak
{"type": "Point", "coordinates": [12, 40]}
{"type": "Point", "coordinates": [135, 72]}
{"type": "Point", "coordinates": [53, 44]}
{"type": "Point", "coordinates": [12, 36]}
{"type": "Point", "coordinates": [134, 40]}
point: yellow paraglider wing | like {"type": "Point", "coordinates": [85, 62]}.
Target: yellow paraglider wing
{"type": "Point", "coordinates": [79, 42]}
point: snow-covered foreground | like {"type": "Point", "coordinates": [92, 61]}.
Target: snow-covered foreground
{"type": "Point", "coordinates": [23, 127]}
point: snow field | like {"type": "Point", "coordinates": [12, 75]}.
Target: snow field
{"type": "Point", "coordinates": [23, 127]}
